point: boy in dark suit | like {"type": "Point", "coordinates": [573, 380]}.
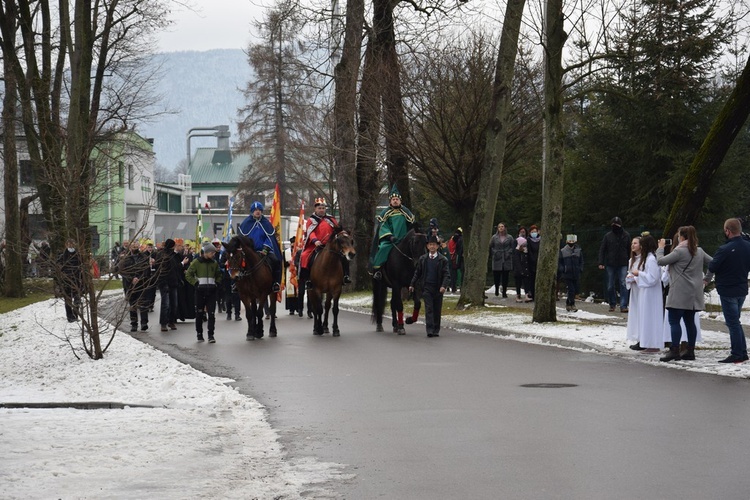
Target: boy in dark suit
{"type": "Point", "coordinates": [432, 275]}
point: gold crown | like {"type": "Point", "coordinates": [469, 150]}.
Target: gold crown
{"type": "Point", "coordinates": [320, 201]}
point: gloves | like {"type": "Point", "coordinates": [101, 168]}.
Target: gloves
{"type": "Point", "coordinates": [392, 239]}
{"type": "Point", "coordinates": [264, 251]}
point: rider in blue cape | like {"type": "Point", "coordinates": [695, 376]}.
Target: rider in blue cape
{"type": "Point", "coordinates": [257, 227]}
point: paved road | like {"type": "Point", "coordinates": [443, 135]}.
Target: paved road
{"type": "Point", "coordinates": [449, 418]}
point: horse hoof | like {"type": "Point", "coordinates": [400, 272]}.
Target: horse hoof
{"type": "Point", "coordinates": [259, 335]}
{"type": "Point", "coordinates": [309, 314]}
{"type": "Point", "coordinates": [326, 330]}
{"type": "Point", "coordinates": [396, 329]}
{"type": "Point", "coordinates": [379, 328]}
{"type": "Point", "coordinates": [318, 333]}
{"type": "Point", "coordinates": [249, 337]}
{"type": "Point", "coordinates": [401, 331]}
{"type": "Point", "coordinates": [408, 321]}
{"type": "Point", "coordinates": [336, 333]}
{"type": "Point", "coordinates": [272, 334]}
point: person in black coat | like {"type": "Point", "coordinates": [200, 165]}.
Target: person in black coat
{"type": "Point", "coordinates": [432, 275]}
{"type": "Point", "coordinates": [570, 268]}
{"type": "Point", "coordinates": [70, 279]}
{"type": "Point", "coordinates": [521, 269]}
{"type": "Point", "coordinates": [167, 280]}
{"type": "Point", "coordinates": [614, 254]}
{"type": "Point", "coordinates": [135, 269]}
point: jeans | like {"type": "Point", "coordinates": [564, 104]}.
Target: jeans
{"type": "Point", "coordinates": [168, 311]}
{"type": "Point", "coordinates": [674, 316]}
{"type": "Point", "coordinates": [731, 307]}
{"type": "Point", "coordinates": [619, 273]}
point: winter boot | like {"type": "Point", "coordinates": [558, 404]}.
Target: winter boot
{"type": "Point", "coordinates": [688, 354]}
{"type": "Point", "coordinates": [673, 354]}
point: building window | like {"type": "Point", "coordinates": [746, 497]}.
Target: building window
{"type": "Point", "coordinates": [120, 174]}
{"type": "Point", "coordinates": [131, 177]}
{"type": "Point", "coordinates": [25, 174]}
{"type": "Point", "coordinates": [146, 184]}
{"type": "Point", "coordinates": [219, 202]}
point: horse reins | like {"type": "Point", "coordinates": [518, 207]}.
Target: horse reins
{"type": "Point", "coordinates": [250, 271]}
{"type": "Point", "coordinates": [402, 252]}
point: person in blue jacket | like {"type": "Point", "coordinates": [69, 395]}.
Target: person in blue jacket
{"type": "Point", "coordinates": [731, 265]}
{"type": "Point", "coordinates": [257, 227]}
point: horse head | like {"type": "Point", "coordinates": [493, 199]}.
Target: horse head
{"type": "Point", "coordinates": [416, 243]}
{"type": "Point", "coordinates": [239, 254]}
{"type": "Point", "coordinates": [343, 243]}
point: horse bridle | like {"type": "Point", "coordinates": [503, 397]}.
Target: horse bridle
{"type": "Point", "coordinates": [242, 273]}
{"type": "Point", "coordinates": [340, 253]}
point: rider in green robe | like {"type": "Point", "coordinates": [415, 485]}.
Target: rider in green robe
{"type": "Point", "coordinates": [393, 224]}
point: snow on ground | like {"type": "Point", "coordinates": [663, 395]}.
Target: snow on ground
{"type": "Point", "coordinates": [197, 437]}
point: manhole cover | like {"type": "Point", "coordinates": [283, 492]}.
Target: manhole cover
{"type": "Point", "coordinates": [547, 385]}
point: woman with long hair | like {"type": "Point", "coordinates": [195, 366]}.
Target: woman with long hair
{"type": "Point", "coordinates": [686, 282]}
{"type": "Point", "coordinates": [644, 282]}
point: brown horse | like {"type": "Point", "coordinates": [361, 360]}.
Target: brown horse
{"type": "Point", "coordinates": [254, 280]}
{"type": "Point", "coordinates": [327, 277]}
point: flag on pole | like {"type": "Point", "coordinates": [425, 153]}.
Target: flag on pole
{"type": "Point", "coordinates": [228, 230]}
{"type": "Point", "coordinates": [276, 223]}
{"type": "Point", "coordinates": [298, 245]}
{"type": "Point", "coordinates": [199, 227]}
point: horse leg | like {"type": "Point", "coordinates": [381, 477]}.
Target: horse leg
{"type": "Point", "coordinates": [250, 317]}
{"type": "Point", "coordinates": [325, 318]}
{"type": "Point", "coordinates": [414, 315]}
{"type": "Point", "coordinates": [259, 318]}
{"type": "Point", "coordinates": [397, 310]}
{"type": "Point", "coordinates": [378, 304]}
{"type": "Point", "coordinates": [313, 302]}
{"type": "Point", "coordinates": [336, 331]}
{"type": "Point", "coordinates": [272, 329]}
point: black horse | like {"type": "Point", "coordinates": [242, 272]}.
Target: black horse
{"type": "Point", "coordinates": [397, 273]}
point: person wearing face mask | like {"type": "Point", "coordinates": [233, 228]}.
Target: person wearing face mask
{"type": "Point", "coordinates": [521, 268]}
{"type": "Point", "coordinates": [614, 254]}
{"type": "Point", "coordinates": [570, 268]}
{"type": "Point", "coordinates": [70, 279]}
{"type": "Point", "coordinates": [533, 242]}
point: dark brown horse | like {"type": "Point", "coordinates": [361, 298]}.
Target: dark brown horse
{"type": "Point", "coordinates": [254, 279]}
{"type": "Point", "coordinates": [397, 273]}
{"type": "Point", "coordinates": [327, 277]}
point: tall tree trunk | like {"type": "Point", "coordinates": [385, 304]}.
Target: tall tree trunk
{"type": "Point", "coordinates": [394, 123]}
{"type": "Point", "coordinates": [552, 190]}
{"type": "Point", "coordinates": [697, 182]}
{"type": "Point", "coordinates": [13, 248]}
{"type": "Point", "coordinates": [368, 185]}
{"type": "Point", "coordinates": [344, 112]}
{"type": "Point", "coordinates": [496, 134]}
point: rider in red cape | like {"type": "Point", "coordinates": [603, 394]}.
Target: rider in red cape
{"type": "Point", "coordinates": [320, 227]}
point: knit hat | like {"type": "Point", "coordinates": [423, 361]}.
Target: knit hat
{"type": "Point", "coordinates": [521, 242]}
{"type": "Point", "coordinates": [169, 244]}
{"type": "Point", "coordinates": [571, 238]}
{"type": "Point", "coordinates": [433, 222]}
{"type": "Point", "coordinates": [208, 248]}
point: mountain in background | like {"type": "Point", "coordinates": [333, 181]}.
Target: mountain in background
{"type": "Point", "coordinates": [201, 89]}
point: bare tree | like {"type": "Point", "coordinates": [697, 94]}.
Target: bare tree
{"type": "Point", "coordinates": [13, 272]}
{"type": "Point", "coordinates": [81, 78]}
{"type": "Point", "coordinates": [495, 135]}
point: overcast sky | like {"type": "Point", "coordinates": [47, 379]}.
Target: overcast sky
{"type": "Point", "coordinates": [213, 24]}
